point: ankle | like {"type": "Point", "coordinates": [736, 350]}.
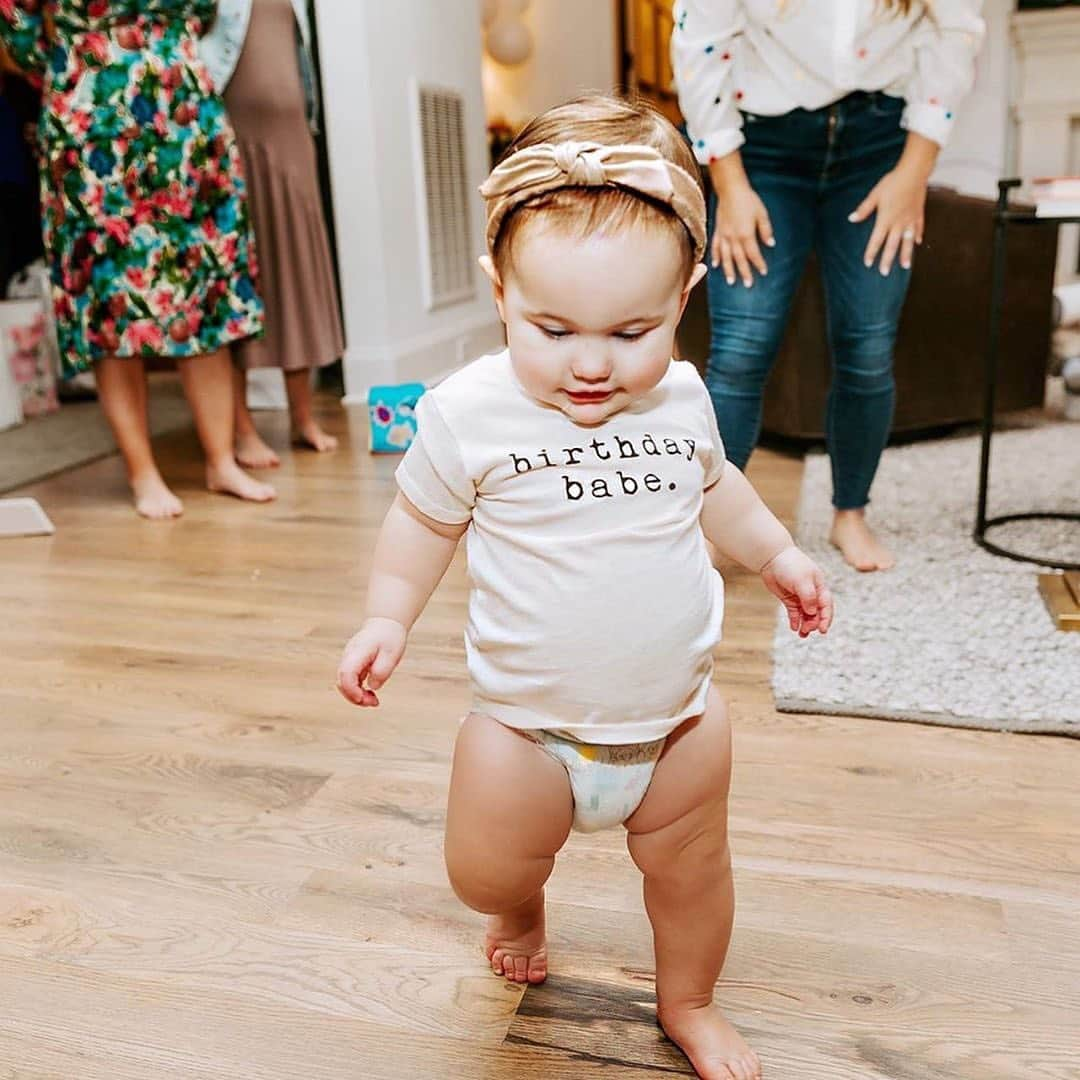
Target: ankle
{"type": "Point", "coordinates": [668, 1008]}
{"type": "Point", "coordinates": [841, 517]}
{"type": "Point", "coordinates": [144, 474]}
{"type": "Point", "coordinates": [509, 910]}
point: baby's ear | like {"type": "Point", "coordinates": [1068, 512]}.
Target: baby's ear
{"type": "Point", "coordinates": [488, 266]}
{"type": "Point", "coordinates": [699, 271]}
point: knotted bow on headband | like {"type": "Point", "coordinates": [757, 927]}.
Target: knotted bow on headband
{"type": "Point", "coordinates": [549, 166]}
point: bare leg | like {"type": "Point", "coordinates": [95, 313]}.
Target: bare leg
{"type": "Point", "coordinates": [678, 838]}
{"type": "Point", "coordinates": [857, 543]}
{"type": "Point", "coordinates": [509, 813]}
{"type": "Point", "coordinates": [306, 430]}
{"type": "Point", "coordinates": [122, 391]}
{"type": "Point", "coordinates": [209, 388]}
{"type": "Point", "coordinates": [251, 451]}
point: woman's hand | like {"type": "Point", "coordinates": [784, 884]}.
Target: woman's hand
{"type": "Point", "coordinates": [741, 220]}
{"type": "Point", "coordinates": [898, 200]}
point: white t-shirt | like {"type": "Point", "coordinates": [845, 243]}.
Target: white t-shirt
{"type": "Point", "coordinates": [772, 56]}
{"type": "Point", "coordinates": [594, 608]}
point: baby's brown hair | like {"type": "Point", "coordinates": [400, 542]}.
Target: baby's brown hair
{"type": "Point", "coordinates": [609, 121]}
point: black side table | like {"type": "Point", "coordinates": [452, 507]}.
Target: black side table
{"type": "Point", "coordinates": [1004, 216]}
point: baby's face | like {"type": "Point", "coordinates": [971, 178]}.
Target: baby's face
{"type": "Point", "coordinates": [591, 322]}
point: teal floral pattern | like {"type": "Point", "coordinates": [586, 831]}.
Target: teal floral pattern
{"type": "Point", "coordinates": [144, 205]}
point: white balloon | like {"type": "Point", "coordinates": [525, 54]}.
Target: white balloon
{"type": "Point", "coordinates": [509, 42]}
{"type": "Point", "coordinates": [489, 12]}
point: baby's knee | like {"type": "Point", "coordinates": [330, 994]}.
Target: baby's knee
{"type": "Point", "coordinates": [703, 855]}
{"type": "Point", "coordinates": [480, 881]}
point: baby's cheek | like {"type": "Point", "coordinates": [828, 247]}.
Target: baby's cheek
{"type": "Point", "coordinates": [647, 372]}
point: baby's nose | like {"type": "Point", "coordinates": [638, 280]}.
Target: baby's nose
{"type": "Point", "coordinates": [591, 364]}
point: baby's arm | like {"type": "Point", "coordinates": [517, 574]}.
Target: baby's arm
{"type": "Point", "coordinates": [742, 527]}
{"type": "Point", "coordinates": [411, 556]}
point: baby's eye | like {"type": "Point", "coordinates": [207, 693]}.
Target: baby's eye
{"type": "Point", "coordinates": [630, 335]}
{"type": "Point", "coordinates": [554, 333]}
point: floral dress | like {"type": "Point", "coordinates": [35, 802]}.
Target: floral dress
{"type": "Point", "coordinates": [144, 207]}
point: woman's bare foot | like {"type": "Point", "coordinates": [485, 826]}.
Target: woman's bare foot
{"type": "Point", "coordinates": [859, 546]}
{"type": "Point", "coordinates": [153, 499]}
{"type": "Point", "coordinates": [228, 478]}
{"type": "Point", "coordinates": [253, 453]}
{"type": "Point", "coordinates": [715, 1049]}
{"type": "Point", "coordinates": [313, 436]}
{"type": "Point", "coordinates": [516, 943]}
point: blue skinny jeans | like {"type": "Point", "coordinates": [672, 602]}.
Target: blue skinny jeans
{"type": "Point", "coordinates": [812, 169]}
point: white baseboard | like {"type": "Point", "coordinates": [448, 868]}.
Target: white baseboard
{"type": "Point", "coordinates": [426, 359]}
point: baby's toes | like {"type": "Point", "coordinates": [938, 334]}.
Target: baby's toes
{"type": "Point", "coordinates": [749, 1068]}
{"type": "Point", "coordinates": [724, 1072]}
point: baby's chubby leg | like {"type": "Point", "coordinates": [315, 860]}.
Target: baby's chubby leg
{"type": "Point", "coordinates": [509, 813]}
{"type": "Point", "coordinates": [678, 838]}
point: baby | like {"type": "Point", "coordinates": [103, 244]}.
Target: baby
{"type": "Point", "coordinates": [584, 467]}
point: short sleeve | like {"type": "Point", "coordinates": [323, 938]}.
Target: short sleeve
{"type": "Point", "coordinates": [432, 475]}
{"type": "Point", "coordinates": [716, 455]}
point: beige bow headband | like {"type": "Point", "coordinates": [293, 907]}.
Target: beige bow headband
{"type": "Point", "coordinates": [549, 166]}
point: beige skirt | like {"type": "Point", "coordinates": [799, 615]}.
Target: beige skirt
{"type": "Point", "coordinates": [265, 100]}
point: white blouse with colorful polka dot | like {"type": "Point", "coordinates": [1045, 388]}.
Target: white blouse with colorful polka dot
{"type": "Point", "coordinates": [768, 57]}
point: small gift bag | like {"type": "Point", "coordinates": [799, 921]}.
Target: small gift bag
{"type": "Point", "coordinates": [10, 400]}
{"type": "Point", "coordinates": [392, 417]}
{"type": "Point", "coordinates": [24, 334]}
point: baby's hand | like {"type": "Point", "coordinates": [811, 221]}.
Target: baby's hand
{"type": "Point", "coordinates": [371, 655]}
{"type": "Point", "coordinates": [798, 582]}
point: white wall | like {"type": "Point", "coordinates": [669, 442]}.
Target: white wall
{"type": "Point", "coordinates": [370, 51]}
{"type": "Point", "coordinates": [1047, 108]}
{"type": "Point", "coordinates": [574, 50]}
{"type": "Point", "coordinates": [979, 149]}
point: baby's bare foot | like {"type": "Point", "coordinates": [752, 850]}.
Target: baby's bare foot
{"type": "Point", "coordinates": [228, 478]}
{"type": "Point", "coordinates": [253, 453]}
{"type": "Point", "coordinates": [313, 436]}
{"type": "Point", "coordinates": [153, 499]}
{"type": "Point", "coordinates": [715, 1049]}
{"type": "Point", "coordinates": [859, 546]}
{"type": "Point", "coordinates": [516, 943]}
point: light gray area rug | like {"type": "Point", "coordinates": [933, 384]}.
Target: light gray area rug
{"type": "Point", "coordinates": [953, 635]}
{"type": "Point", "coordinates": [78, 434]}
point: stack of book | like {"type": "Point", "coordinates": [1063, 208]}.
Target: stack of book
{"type": "Point", "coordinates": [1061, 592]}
{"type": "Point", "coordinates": [1056, 196]}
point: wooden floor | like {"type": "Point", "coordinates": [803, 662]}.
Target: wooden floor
{"type": "Point", "coordinates": [211, 867]}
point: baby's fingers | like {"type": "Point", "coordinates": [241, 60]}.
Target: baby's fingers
{"type": "Point", "coordinates": [350, 684]}
{"type": "Point", "coordinates": [382, 667]}
{"type": "Point", "coordinates": [354, 669]}
{"type": "Point", "coordinates": [806, 588]}
{"type": "Point", "coordinates": [825, 607]}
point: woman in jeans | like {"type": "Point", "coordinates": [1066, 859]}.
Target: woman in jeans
{"type": "Point", "coordinates": [820, 124]}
